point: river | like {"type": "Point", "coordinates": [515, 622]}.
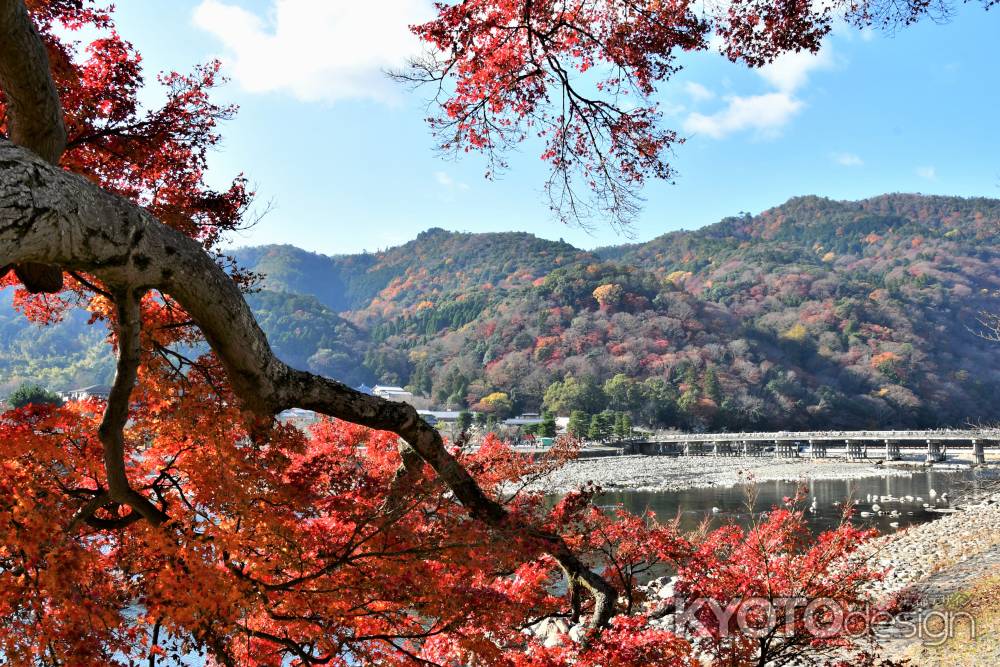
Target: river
{"type": "Point", "coordinates": [694, 505]}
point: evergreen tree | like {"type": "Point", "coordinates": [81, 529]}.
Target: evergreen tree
{"type": "Point", "coordinates": [658, 403]}
{"type": "Point", "coordinates": [547, 429]}
{"type": "Point", "coordinates": [601, 426]}
{"type": "Point", "coordinates": [32, 394]}
{"type": "Point", "coordinates": [626, 426]}
{"type": "Point", "coordinates": [623, 426]}
{"type": "Point", "coordinates": [464, 421]}
{"type": "Point", "coordinates": [690, 375]}
{"type": "Point", "coordinates": [579, 423]}
{"type": "Point", "coordinates": [623, 393]}
{"type": "Point", "coordinates": [573, 394]}
{"type": "Point", "coordinates": [688, 400]}
{"type": "Point", "coordinates": [710, 385]}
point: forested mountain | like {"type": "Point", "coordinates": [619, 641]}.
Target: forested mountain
{"type": "Point", "coordinates": [815, 313]}
{"type": "Point", "coordinates": [436, 262]}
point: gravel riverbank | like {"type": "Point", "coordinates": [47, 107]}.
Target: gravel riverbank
{"type": "Point", "coordinates": [676, 473]}
{"type": "Point", "coordinates": [920, 553]}
{"type": "Point", "coordinates": [930, 562]}
{"type": "Point", "coordinates": [667, 473]}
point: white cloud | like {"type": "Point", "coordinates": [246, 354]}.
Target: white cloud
{"type": "Point", "coordinates": [790, 71]}
{"type": "Point", "coordinates": [764, 113]}
{"type": "Point", "coordinates": [445, 180]}
{"type": "Point", "coordinates": [848, 159]}
{"type": "Point", "coordinates": [698, 92]}
{"type": "Point", "coordinates": [927, 172]}
{"type": "Point", "coordinates": [325, 50]}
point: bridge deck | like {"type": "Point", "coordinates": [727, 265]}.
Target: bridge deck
{"type": "Point", "coordinates": [833, 436]}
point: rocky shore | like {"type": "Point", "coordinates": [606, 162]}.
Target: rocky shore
{"type": "Point", "coordinates": [928, 563]}
{"type": "Point", "coordinates": [676, 473]}
{"type": "Point", "coordinates": [667, 473]}
{"type": "Point", "coordinates": [913, 556]}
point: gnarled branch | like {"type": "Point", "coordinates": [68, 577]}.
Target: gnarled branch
{"type": "Point", "coordinates": [111, 430]}
{"type": "Point", "coordinates": [34, 113]}
{"type": "Point", "coordinates": [51, 217]}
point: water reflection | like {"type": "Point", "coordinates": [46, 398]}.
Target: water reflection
{"type": "Point", "coordinates": [694, 505]}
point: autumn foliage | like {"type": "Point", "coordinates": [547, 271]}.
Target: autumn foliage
{"type": "Point", "coordinates": [307, 547]}
{"type": "Point", "coordinates": [273, 546]}
{"type": "Point", "coordinates": [581, 77]}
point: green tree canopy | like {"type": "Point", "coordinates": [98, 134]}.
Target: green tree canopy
{"type": "Point", "coordinates": [563, 397]}
{"type": "Point", "coordinates": [601, 426]}
{"type": "Point", "coordinates": [579, 423]}
{"type": "Point", "coordinates": [547, 429]}
{"type": "Point", "coordinates": [32, 394]}
{"type": "Point", "coordinates": [623, 393]}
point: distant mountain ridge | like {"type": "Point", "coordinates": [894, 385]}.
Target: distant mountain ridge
{"type": "Point", "coordinates": [813, 313]}
{"type": "Point", "coordinates": [448, 261]}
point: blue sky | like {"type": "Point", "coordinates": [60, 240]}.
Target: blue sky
{"type": "Point", "coordinates": [345, 160]}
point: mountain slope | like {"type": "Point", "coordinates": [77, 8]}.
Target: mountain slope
{"type": "Point", "coordinates": [434, 263]}
{"type": "Point", "coordinates": [814, 313]}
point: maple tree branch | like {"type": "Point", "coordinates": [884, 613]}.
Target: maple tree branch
{"type": "Point", "coordinates": [111, 430]}
{"type": "Point", "coordinates": [51, 217]}
{"type": "Point", "coordinates": [34, 113]}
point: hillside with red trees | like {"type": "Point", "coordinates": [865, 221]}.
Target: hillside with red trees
{"type": "Point", "coordinates": [815, 313]}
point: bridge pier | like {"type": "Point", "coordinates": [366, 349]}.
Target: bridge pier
{"type": "Point", "coordinates": [892, 450]}
{"type": "Point", "coordinates": [785, 448]}
{"type": "Point", "coordinates": [817, 449]}
{"type": "Point", "coordinates": [855, 449]}
{"type": "Point", "coordinates": [934, 453]}
{"type": "Point", "coordinates": [693, 448]}
{"type": "Point", "coordinates": [978, 452]}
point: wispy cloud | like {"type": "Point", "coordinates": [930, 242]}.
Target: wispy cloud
{"type": "Point", "coordinates": [315, 49]}
{"type": "Point", "coordinates": [927, 172]}
{"type": "Point", "coordinates": [848, 160]}
{"type": "Point", "coordinates": [445, 180]}
{"type": "Point", "coordinates": [766, 113]}
{"type": "Point", "coordinates": [698, 92]}
{"type": "Point", "coordinates": [791, 71]}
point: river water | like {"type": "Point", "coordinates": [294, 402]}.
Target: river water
{"type": "Point", "coordinates": [695, 505]}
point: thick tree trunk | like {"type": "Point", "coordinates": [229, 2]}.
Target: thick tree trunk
{"type": "Point", "coordinates": [51, 218]}
{"type": "Point", "coordinates": [34, 114]}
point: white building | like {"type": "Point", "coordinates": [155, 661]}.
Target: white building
{"type": "Point", "coordinates": [439, 416]}
{"type": "Point", "coordinates": [298, 417]}
{"type": "Point", "coordinates": [527, 419]}
{"type": "Point", "coordinates": [392, 393]}
{"type": "Point", "coordinates": [101, 391]}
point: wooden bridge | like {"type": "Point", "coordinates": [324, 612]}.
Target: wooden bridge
{"type": "Point", "coordinates": [788, 443]}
